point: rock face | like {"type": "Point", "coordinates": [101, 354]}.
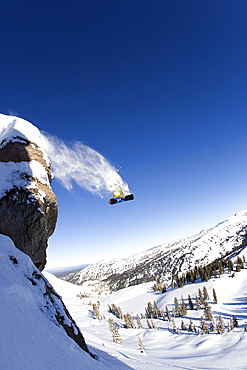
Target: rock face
{"type": "Point", "coordinates": [28, 206]}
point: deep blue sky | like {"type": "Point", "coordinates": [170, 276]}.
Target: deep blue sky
{"type": "Point", "coordinates": [157, 87]}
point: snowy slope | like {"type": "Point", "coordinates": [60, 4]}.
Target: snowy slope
{"type": "Point", "coordinates": [163, 349]}
{"type": "Point", "coordinates": [31, 339]}
{"type": "Point", "coordinates": [30, 335]}
{"type": "Point", "coordinates": [169, 259]}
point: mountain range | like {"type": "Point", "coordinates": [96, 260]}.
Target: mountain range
{"type": "Point", "coordinates": [226, 239]}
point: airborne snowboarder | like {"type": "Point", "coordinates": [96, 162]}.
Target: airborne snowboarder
{"type": "Point", "coordinates": [118, 196]}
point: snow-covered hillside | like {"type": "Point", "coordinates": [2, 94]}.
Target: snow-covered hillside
{"type": "Point", "coordinates": [32, 338]}
{"type": "Point", "coordinates": [31, 333]}
{"type": "Point", "coordinates": [165, 349]}
{"type": "Point", "coordinates": [166, 260]}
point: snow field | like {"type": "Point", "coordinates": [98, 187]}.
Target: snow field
{"type": "Point", "coordinates": [164, 349]}
{"type": "Point", "coordinates": [30, 334]}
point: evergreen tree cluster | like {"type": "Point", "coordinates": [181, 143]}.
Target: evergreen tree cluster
{"type": "Point", "coordinates": [115, 310]}
{"type": "Point", "coordinates": [214, 269]}
{"type": "Point", "coordinates": [180, 309]}
{"type": "Point", "coordinates": [129, 322]}
{"type": "Point", "coordinates": [159, 286]}
{"type": "Point", "coordinates": [207, 322]}
{"type": "Point", "coordinates": [217, 325]}
{"type": "Point", "coordinates": [153, 312]}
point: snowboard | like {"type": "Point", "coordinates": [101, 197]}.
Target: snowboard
{"type": "Point", "coordinates": [121, 199]}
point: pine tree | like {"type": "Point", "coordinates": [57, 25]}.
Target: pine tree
{"type": "Point", "coordinates": [176, 279]}
{"type": "Point", "coordinates": [215, 297]}
{"type": "Point", "coordinates": [240, 263]}
{"type": "Point", "coordinates": [177, 307]}
{"type": "Point", "coordinates": [215, 272]}
{"type": "Point", "coordinates": [209, 271]}
{"type": "Point", "coordinates": [238, 268]}
{"type": "Point", "coordinates": [156, 311]}
{"type": "Point", "coordinates": [168, 314]}
{"type": "Point", "coordinates": [119, 313]}
{"type": "Point", "coordinates": [200, 296]}
{"type": "Point", "coordinates": [203, 326]}
{"type": "Point", "coordinates": [150, 324]}
{"type": "Point", "coordinates": [188, 276]}
{"type": "Point", "coordinates": [183, 327]}
{"type": "Point", "coordinates": [212, 326]}
{"type": "Point", "coordinates": [230, 266]}
{"type": "Point", "coordinates": [141, 346]}
{"type": "Point", "coordinates": [174, 327]}
{"type": "Point", "coordinates": [139, 324]}
{"type": "Point", "coordinates": [202, 273]}
{"type": "Point", "coordinates": [183, 308]}
{"type": "Point", "coordinates": [191, 306]}
{"type": "Point", "coordinates": [207, 312]}
{"type": "Point", "coordinates": [221, 268]}
{"type": "Point", "coordinates": [220, 326]}
{"type": "Point", "coordinates": [96, 312]}
{"type": "Point", "coordinates": [233, 322]}
{"type": "Point", "coordinates": [114, 330]}
{"type": "Point", "coordinates": [205, 294]}
{"type": "Point", "coordinates": [163, 290]}
{"type": "Point", "coordinates": [198, 304]}
{"type": "Point", "coordinates": [149, 310]}
{"type": "Point", "coordinates": [190, 327]}
{"type": "Point", "coordinates": [193, 276]}
{"type": "Point", "coordinates": [156, 286]}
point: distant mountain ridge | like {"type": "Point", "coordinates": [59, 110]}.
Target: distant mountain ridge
{"type": "Point", "coordinates": [227, 238]}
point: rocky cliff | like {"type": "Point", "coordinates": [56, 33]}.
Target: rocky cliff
{"type": "Point", "coordinates": [28, 215]}
{"type": "Point", "coordinates": [28, 206]}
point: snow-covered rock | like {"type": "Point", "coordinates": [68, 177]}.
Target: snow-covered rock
{"type": "Point", "coordinates": [28, 206]}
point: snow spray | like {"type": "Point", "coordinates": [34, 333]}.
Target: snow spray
{"type": "Point", "coordinates": [82, 164]}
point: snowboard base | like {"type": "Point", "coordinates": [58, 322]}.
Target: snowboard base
{"type": "Point", "coordinates": [121, 199]}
